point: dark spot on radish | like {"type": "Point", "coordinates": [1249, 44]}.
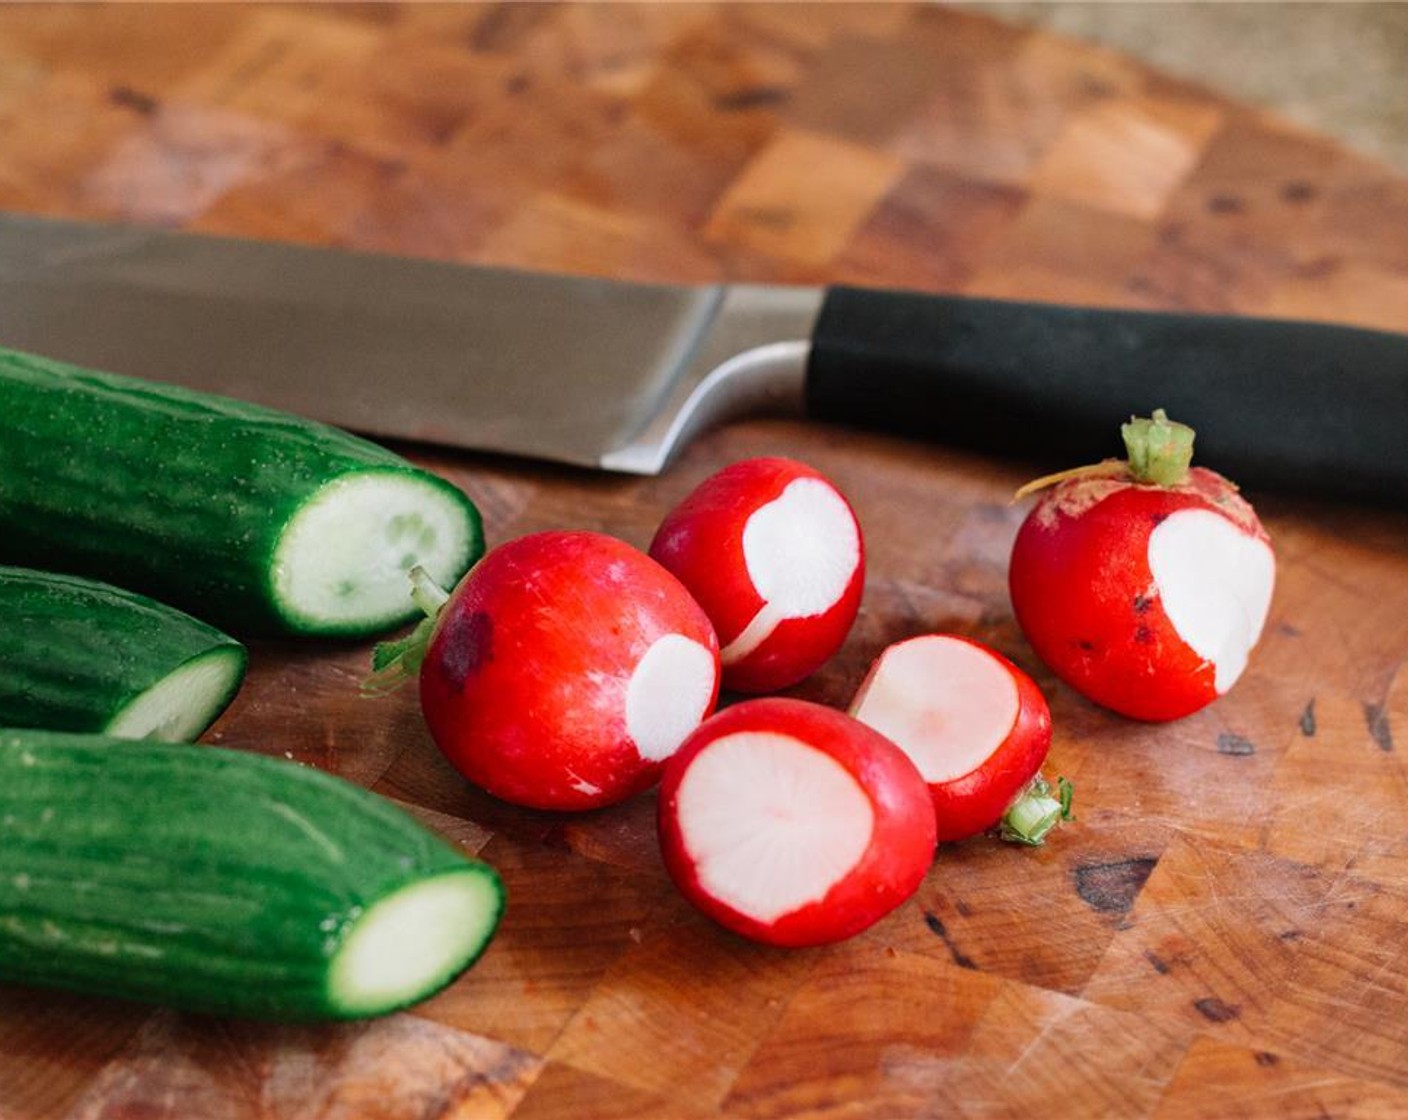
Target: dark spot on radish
{"type": "Point", "coordinates": [1142, 603]}
{"type": "Point", "coordinates": [1377, 719]}
{"type": "Point", "coordinates": [1236, 745]}
{"type": "Point", "coordinates": [467, 643]}
{"type": "Point", "coordinates": [1215, 1011]}
{"type": "Point", "coordinates": [1157, 963]}
{"type": "Point", "coordinates": [1143, 634]}
{"type": "Point", "coordinates": [1112, 887]}
{"type": "Point", "coordinates": [1266, 1058]}
{"type": "Point", "coordinates": [1158, 517]}
{"type": "Point", "coordinates": [1307, 720]}
{"type": "Point", "coordinates": [1085, 644]}
{"type": "Point", "coordinates": [935, 923]}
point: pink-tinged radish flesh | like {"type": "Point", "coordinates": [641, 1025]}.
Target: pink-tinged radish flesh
{"type": "Point", "coordinates": [670, 691]}
{"type": "Point", "coordinates": [771, 822]}
{"type": "Point", "coordinates": [1215, 583]}
{"type": "Point", "coordinates": [944, 702]}
{"type": "Point", "coordinates": [975, 726]}
{"type": "Point", "coordinates": [801, 551]}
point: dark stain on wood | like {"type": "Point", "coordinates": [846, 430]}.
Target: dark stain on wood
{"type": "Point", "coordinates": [1377, 718]}
{"type": "Point", "coordinates": [134, 99]}
{"type": "Point", "coordinates": [1266, 1058]}
{"type": "Point", "coordinates": [1112, 887]}
{"type": "Point", "coordinates": [506, 26]}
{"type": "Point", "coordinates": [751, 97]}
{"type": "Point", "coordinates": [1157, 963]}
{"type": "Point", "coordinates": [1215, 1011]}
{"type": "Point", "coordinates": [1307, 720]}
{"type": "Point", "coordinates": [1226, 204]}
{"type": "Point", "coordinates": [935, 923]}
{"type": "Point", "coordinates": [1237, 745]}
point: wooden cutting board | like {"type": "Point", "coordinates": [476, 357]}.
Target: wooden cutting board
{"type": "Point", "coordinates": [1220, 934]}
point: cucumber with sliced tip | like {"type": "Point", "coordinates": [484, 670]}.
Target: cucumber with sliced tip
{"type": "Point", "coordinates": [225, 882]}
{"type": "Point", "coordinates": [86, 656]}
{"type": "Point", "coordinates": [249, 518]}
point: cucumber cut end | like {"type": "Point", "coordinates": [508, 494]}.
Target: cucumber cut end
{"type": "Point", "coordinates": [342, 563]}
{"type": "Point", "coordinates": [185, 702]}
{"type": "Point", "coordinates": [411, 943]}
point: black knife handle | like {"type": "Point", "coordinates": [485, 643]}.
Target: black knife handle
{"type": "Point", "coordinates": [1278, 404]}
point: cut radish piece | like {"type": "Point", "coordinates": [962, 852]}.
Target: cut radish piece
{"type": "Point", "coordinates": [774, 554]}
{"type": "Point", "coordinates": [564, 669]}
{"type": "Point", "coordinates": [1145, 596]}
{"type": "Point", "coordinates": [793, 824]}
{"type": "Point", "coordinates": [977, 727]}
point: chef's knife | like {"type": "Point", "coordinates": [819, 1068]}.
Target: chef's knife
{"type": "Point", "coordinates": [616, 375]}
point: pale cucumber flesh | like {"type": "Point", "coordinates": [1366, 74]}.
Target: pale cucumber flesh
{"type": "Point", "coordinates": [412, 943]}
{"type": "Point", "coordinates": [180, 706]}
{"type": "Point", "coordinates": [345, 557]}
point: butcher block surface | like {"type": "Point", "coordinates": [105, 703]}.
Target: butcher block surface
{"type": "Point", "coordinates": [1219, 933]}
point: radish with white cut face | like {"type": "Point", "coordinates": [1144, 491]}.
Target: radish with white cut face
{"type": "Point", "coordinates": [774, 554]}
{"type": "Point", "coordinates": [976, 726]}
{"type": "Point", "coordinates": [793, 824]}
{"type": "Point", "coordinates": [565, 668]}
{"type": "Point", "coordinates": [1144, 585]}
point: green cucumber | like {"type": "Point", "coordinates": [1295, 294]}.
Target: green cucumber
{"type": "Point", "coordinates": [225, 882]}
{"type": "Point", "coordinates": [250, 518]}
{"type": "Point", "coordinates": [86, 656]}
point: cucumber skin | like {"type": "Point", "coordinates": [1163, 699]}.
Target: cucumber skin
{"type": "Point", "coordinates": [193, 877]}
{"type": "Point", "coordinates": [177, 494]}
{"type": "Point", "coordinates": [80, 650]}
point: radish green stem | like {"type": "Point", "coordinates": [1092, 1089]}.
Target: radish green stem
{"type": "Point", "coordinates": [397, 661]}
{"type": "Point", "coordinates": [1036, 811]}
{"type": "Point", "coordinates": [428, 595]}
{"type": "Point", "coordinates": [1160, 450]}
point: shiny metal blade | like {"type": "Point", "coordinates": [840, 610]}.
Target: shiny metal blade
{"type": "Point", "coordinates": [574, 369]}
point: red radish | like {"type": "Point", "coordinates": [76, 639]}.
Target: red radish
{"type": "Point", "coordinates": [976, 726]}
{"type": "Point", "coordinates": [564, 669]}
{"type": "Point", "coordinates": [773, 553]}
{"type": "Point", "coordinates": [1144, 585]}
{"type": "Point", "coordinates": [792, 824]}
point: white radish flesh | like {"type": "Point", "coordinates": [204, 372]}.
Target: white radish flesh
{"type": "Point", "coordinates": [1215, 584]}
{"type": "Point", "coordinates": [801, 550]}
{"type": "Point", "coordinates": [670, 691]}
{"type": "Point", "coordinates": [771, 822]}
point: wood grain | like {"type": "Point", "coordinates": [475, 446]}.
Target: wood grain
{"type": "Point", "coordinates": [1219, 934]}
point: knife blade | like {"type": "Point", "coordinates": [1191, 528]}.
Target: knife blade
{"type": "Point", "coordinates": [616, 375]}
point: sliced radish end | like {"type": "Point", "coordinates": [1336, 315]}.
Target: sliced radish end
{"type": "Point", "coordinates": [1215, 584]}
{"type": "Point", "coordinates": [413, 942]}
{"type": "Point", "coordinates": [185, 702]}
{"type": "Point", "coordinates": [943, 701]}
{"type": "Point", "coordinates": [801, 551]}
{"type": "Point", "coordinates": [669, 693]}
{"type": "Point", "coordinates": [343, 560]}
{"type": "Point", "coordinates": [771, 822]}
